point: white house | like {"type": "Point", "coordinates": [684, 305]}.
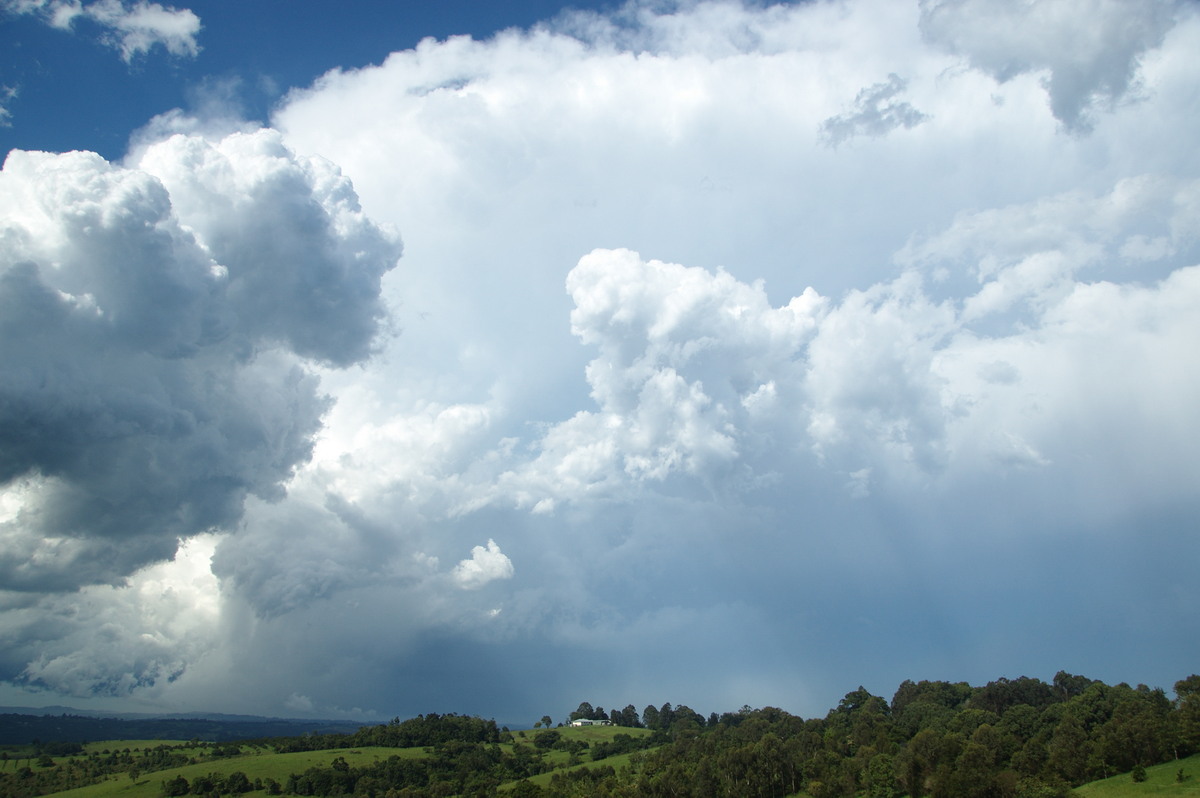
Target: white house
{"type": "Point", "coordinates": [587, 722]}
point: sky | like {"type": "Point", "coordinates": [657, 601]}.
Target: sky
{"type": "Point", "coordinates": [369, 360]}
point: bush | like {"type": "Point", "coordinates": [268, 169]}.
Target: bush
{"type": "Point", "coordinates": [545, 739]}
{"type": "Point", "coordinates": [176, 787]}
{"type": "Point", "coordinates": [237, 783]}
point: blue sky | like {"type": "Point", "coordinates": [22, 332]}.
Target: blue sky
{"type": "Point", "coordinates": [73, 94]}
{"type": "Point", "coordinates": [367, 362]}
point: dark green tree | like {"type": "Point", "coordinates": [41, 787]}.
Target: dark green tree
{"type": "Point", "coordinates": [1187, 711]}
{"type": "Point", "coordinates": [237, 782]}
{"type": "Point", "coordinates": [1000, 695]}
{"type": "Point", "coordinates": [1069, 751]}
{"type": "Point", "coordinates": [545, 740]}
{"type": "Point", "coordinates": [880, 779]}
{"type": "Point", "coordinates": [1067, 685]}
{"type": "Point", "coordinates": [176, 787]}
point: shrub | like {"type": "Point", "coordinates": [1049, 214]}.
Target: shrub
{"type": "Point", "coordinates": [176, 787]}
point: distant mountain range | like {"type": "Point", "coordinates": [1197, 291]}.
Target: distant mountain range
{"type": "Point", "coordinates": [23, 725]}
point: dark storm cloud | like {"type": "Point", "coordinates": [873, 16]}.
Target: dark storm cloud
{"type": "Point", "coordinates": [149, 337]}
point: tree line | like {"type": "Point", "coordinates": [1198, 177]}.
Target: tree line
{"type": "Point", "coordinates": [1011, 738]}
{"type": "Point", "coordinates": [652, 717]}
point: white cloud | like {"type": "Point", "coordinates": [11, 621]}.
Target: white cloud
{"type": "Point", "coordinates": [860, 346]}
{"type": "Point", "coordinates": [485, 565]}
{"type": "Point", "coordinates": [134, 29]}
{"type": "Point", "coordinates": [682, 353]}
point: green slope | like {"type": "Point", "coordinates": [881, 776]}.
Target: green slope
{"type": "Point", "coordinates": [266, 764]}
{"type": "Point", "coordinates": [1160, 780]}
{"type": "Point", "coordinates": [256, 765]}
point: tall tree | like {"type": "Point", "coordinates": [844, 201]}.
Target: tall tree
{"type": "Point", "coordinates": [1068, 685]}
{"type": "Point", "coordinates": [1187, 712]}
{"type": "Point", "coordinates": [1069, 751]}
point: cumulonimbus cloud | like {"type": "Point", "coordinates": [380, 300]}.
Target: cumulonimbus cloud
{"type": "Point", "coordinates": [779, 371]}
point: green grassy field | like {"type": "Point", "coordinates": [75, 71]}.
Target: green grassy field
{"type": "Point", "coordinates": [589, 734]}
{"type": "Point", "coordinates": [543, 779]}
{"type": "Point", "coordinates": [264, 764]}
{"type": "Point", "coordinates": [1160, 780]}
{"type": "Point", "coordinates": [255, 763]}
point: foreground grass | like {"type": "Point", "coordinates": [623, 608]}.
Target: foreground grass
{"type": "Point", "coordinates": [1160, 780]}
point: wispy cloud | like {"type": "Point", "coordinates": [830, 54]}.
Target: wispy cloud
{"type": "Point", "coordinates": [132, 28]}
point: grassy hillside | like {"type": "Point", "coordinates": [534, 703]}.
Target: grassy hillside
{"type": "Point", "coordinates": [1160, 780]}
{"type": "Point", "coordinates": [561, 760]}
{"type": "Point", "coordinates": [258, 763]}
